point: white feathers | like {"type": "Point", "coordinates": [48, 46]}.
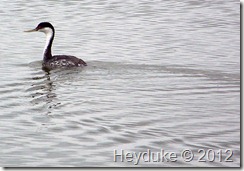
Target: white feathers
{"type": "Point", "coordinates": [49, 34]}
{"type": "Point", "coordinates": [61, 63]}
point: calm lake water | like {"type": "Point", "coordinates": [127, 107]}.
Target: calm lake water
{"type": "Point", "coordinates": [160, 75]}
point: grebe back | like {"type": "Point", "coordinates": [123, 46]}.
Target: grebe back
{"type": "Point", "coordinates": [57, 61]}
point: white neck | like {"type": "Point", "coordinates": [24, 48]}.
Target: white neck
{"type": "Point", "coordinates": [49, 33]}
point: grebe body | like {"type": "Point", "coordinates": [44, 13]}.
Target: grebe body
{"type": "Point", "coordinates": [56, 61]}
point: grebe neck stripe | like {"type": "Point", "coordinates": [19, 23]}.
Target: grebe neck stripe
{"type": "Point", "coordinates": [47, 54]}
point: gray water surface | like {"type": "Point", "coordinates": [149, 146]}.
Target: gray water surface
{"type": "Point", "coordinates": [160, 75]}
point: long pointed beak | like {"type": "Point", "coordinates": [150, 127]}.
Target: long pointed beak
{"type": "Point", "coordinates": [32, 30]}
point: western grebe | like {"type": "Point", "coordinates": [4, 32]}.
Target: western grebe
{"type": "Point", "coordinates": [57, 61]}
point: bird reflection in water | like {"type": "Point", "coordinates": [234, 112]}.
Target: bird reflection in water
{"type": "Point", "coordinates": [43, 96]}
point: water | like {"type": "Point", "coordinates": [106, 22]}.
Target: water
{"type": "Point", "coordinates": [160, 75]}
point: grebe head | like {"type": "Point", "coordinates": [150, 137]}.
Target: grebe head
{"type": "Point", "coordinates": [48, 29]}
{"type": "Point", "coordinates": [44, 27]}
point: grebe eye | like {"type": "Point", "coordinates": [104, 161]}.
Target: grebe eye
{"type": "Point", "coordinates": [39, 27]}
